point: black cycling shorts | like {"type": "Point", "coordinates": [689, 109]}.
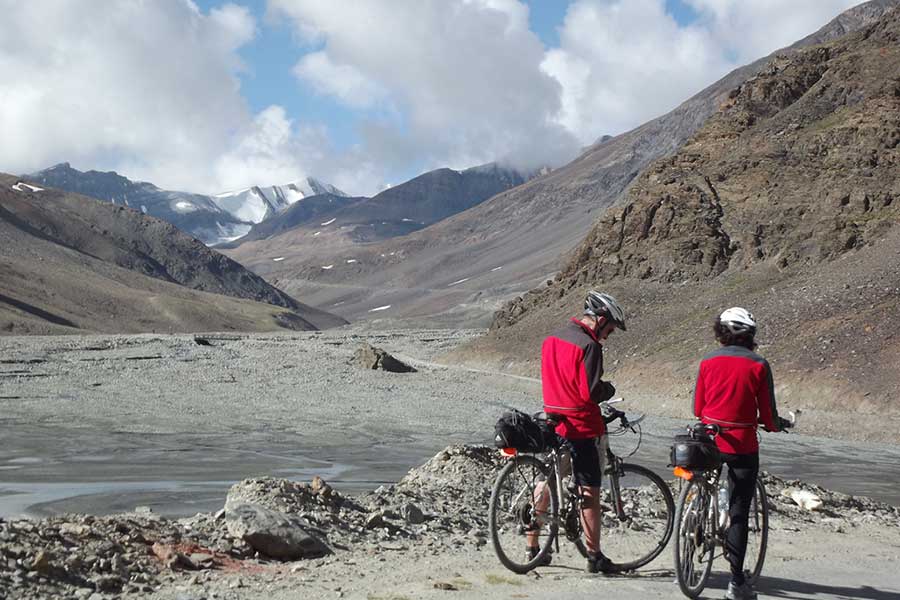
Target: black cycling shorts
{"type": "Point", "coordinates": [589, 459]}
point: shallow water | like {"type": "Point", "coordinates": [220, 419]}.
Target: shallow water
{"type": "Point", "coordinates": [52, 470]}
{"type": "Point", "coordinates": [42, 473]}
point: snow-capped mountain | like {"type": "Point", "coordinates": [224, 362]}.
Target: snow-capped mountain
{"type": "Point", "coordinates": [257, 203]}
{"type": "Point", "coordinates": [211, 219]}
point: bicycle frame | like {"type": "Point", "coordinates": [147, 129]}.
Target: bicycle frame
{"type": "Point", "coordinates": [571, 500]}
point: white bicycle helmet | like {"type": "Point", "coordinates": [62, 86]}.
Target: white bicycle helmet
{"type": "Point", "coordinates": [738, 321]}
{"type": "Point", "coordinates": [603, 305]}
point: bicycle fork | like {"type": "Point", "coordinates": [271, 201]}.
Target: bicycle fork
{"type": "Point", "coordinates": [613, 471]}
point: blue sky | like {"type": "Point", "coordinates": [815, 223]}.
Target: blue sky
{"type": "Point", "coordinates": [224, 94]}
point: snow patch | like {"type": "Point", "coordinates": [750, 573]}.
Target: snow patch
{"type": "Point", "coordinates": [326, 267]}
{"type": "Point", "coordinates": [143, 209]}
{"type": "Point", "coordinates": [458, 282]}
{"type": "Point", "coordinates": [329, 222]}
{"type": "Point", "coordinates": [279, 259]}
{"type": "Point", "coordinates": [351, 261]}
{"type": "Point", "coordinates": [247, 205]}
{"type": "Point", "coordinates": [228, 233]}
{"type": "Point", "coordinates": [316, 233]}
{"type": "Point", "coordinates": [380, 308]}
{"type": "Point", "coordinates": [230, 194]}
{"type": "Point", "coordinates": [496, 269]}
{"type": "Point", "coordinates": [406, 220]}
{"type": "Point", "coordinates": [31, 188]}
{"type": "Point", "coordinates": [184, 206]}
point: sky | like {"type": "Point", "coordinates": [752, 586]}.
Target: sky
{"type": "Point", "coordinates": [209, 96]}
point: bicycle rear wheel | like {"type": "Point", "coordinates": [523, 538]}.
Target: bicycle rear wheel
{"type": "Point", "coordinates": [649, 514]}
{"type": "Point", "coordinates": [757, 533]}
{"type": "Point", "coordinates": [515, 510]}
{"type": "Point", "coordinates": [694, 539]}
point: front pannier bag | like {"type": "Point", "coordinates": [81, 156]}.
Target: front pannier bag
{"type": "Point", "coordinates": [697, 453]}
{"type": "Point", "coordinates": [518, 430]}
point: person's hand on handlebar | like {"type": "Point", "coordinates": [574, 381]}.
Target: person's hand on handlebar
{"type": "Point", "coordinates": [783, 425]}
{"type": "Point", "coordinates": [612, 415]}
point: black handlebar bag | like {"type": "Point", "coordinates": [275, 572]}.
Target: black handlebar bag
{"type": "Point", "coordinates": [696, 453]}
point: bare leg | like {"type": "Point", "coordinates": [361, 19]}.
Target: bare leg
{"type": "Point", "coordinates": [590, 517]}
{"type": "Point", "coordinates": [541, 502]}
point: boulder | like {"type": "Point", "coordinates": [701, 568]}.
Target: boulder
{"type": "Point", "coordinates": [370, 357]}
{"type": "Point", "coordinates": [413, 514]}
{"type": "Point", "coordinates": [271, 533]}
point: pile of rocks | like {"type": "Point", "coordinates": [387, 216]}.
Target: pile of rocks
{"type": "Point", "coordinates": [439, 504]}
{"type": "Point", "coordinates": [444, 501]}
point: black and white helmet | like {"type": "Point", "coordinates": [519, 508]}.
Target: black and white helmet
{"type": "Point", "coordinates": [738, 321]}
{"type": "Point", "coordinates": [603, 305]}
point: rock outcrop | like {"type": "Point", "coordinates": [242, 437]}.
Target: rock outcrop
{"type": "Point", "coordinates": [370, 357]}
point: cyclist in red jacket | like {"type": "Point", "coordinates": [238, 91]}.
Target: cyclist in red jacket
{"type": "Point", "coordinates": [571, 371]}
{"type": "Point", "coordinates": [735, 391]}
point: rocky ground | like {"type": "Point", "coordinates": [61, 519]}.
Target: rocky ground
{"type": "Point", "coordinates": [424, 536]}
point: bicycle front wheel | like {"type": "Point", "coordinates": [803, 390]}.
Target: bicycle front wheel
{"type": "Point", "coordinates": [636, 535]}
{"type": "Point", "coordinates": [694, 539]}
{"type": "Point", "coordinates": [757, 532]}
{"type": "Point", "coordinates": [523, 509]}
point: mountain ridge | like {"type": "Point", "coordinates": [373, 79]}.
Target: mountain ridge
{"type": "Point", "coordinates": [213, 219]}
{"type": "Point", "coordinates": [99, 237]}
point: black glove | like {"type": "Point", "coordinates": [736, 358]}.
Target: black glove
{"type": "Point", "coordinates": [612, 416]}
{"type": "Point", "coordinates": [782, 425]}
{"type": "Point", "coordinates": [609, 390]}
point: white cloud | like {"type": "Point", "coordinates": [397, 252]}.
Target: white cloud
{"type": "Point", "coordinates": [754, 29]}
{"type": "Point", "coordinates": [105, 84]}
{"type": "Point", "coordinates": [623, 62]}
{"type": "Point", "coordinates": [345, 82]}
{"type": "Point", "coordinates": [461, 81]}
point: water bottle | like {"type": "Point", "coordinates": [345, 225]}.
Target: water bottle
{"type": "Point", "coordinates": [723, 505]}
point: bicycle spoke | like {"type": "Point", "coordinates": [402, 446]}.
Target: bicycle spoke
{"type": "Point", "coordinates": [694, 548]}
{"type": "Point", "coordinates": [522, 510]}
{"type": "Point", "coordinates": [648, 511]}
{"type": "Point", "coordinates": [757, 534]}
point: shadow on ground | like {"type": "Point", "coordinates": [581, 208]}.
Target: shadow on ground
{"type": "Point", "coordinates": [778, 587]}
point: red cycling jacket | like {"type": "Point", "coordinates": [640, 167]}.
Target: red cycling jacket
{"type": "Point", "coordinates": [571, 367]}
{"type": "Point", "coordinates": [735, 391]}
